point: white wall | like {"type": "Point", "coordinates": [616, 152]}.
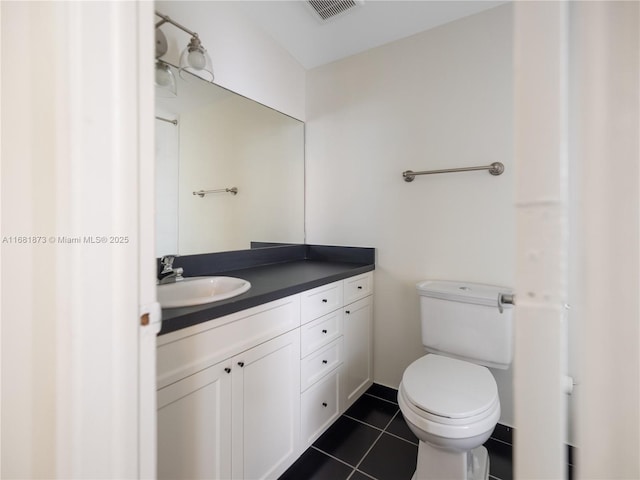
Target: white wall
{"type": "Point", "coordinates": [245, 59]}
{"type": "Point", "coordinates": [439, 99]}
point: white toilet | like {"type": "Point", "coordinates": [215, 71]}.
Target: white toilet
{"type": "Point", "coordinates": [449, 398]}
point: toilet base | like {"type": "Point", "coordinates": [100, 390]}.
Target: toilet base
{"type": "Point", "coordinates": [437, 464]}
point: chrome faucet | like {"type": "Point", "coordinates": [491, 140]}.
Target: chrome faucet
{"type": "Point", "coordinates": [168, 274]}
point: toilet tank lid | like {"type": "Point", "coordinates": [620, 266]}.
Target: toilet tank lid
{"type": "Point", "coordinates": [466, 292]}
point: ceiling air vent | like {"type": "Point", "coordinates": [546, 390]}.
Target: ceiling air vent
{"type": "Point", "coordinates": [327, 9]}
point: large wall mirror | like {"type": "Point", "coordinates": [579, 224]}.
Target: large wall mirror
{"type": "Point", "coordinates": [209, 138]}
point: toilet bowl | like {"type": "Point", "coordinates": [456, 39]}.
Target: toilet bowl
{"type": "Point", "coordinates": [452, 406]}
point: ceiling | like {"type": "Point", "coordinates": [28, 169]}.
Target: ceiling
{"type": "Point", "coordinates": [294, 26]}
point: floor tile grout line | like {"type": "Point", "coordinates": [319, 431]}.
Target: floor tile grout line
{"type": "Point", "coordinates": [369, 449]}
{"type": "Point", "coordinates": [370, 425]}
{"type": "Point", "coordinates": [390, 421]}
{"type": "Point", "coordinates": [363, 422]}
{"type": "Point", "coordinates": [501, 441]}
{"type": "Point", "coordinates": [383, 399]}
{"type": "Point", "coordinates": [335, 458]}
{"type": "Point", "coordinates": [493, 477]}
{"type": "Point", "coordinates": [361, 472]}
{"type": "Point", "coordinates": [415, 444]}
{"type": "Point", "coordinates": [384, 430]}
{"type": "Point", "coordinates": [393, 434]}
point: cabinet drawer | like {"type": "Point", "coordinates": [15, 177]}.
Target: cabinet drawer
{"type": "Point", "coordinates": [318, 364]}
{"type": "Point", "coordinates": [358, 287]}
{"type": "Point", "coordinates": [319, 407]}
{"type": "Point", "coordinates": [321, 300]}
{"type": "Point", "coordinates": [319, 332]}
{"type": "Point", "coordinates": [211, 342]}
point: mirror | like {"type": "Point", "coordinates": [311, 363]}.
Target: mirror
{"type": "Point", "coordinates": [209, 138]}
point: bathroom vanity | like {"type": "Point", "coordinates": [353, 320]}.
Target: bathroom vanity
{"type": "Point", "coordinates": [243, 394]}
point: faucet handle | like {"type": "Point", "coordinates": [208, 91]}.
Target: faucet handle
{"type": "Point", "coordinates": [167, 262]}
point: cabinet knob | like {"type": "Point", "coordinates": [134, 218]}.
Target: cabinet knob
{"type": "Point", "coordinates": [241, 364]}
{"type": "Point", "coordinates": [324, 331]}
{"type": "Point", "coordinates": [324, 300]}
{"type": "Point", "coordinates": [324, 404]}
{"type": "Point", "coordinates": [347, 312]}
{"type": "Point", "coordinates": [325, 362]}
{"type": "Point", "coordinates": [359, 287]}
{"type": "Point", "coordinates": [227, 369]}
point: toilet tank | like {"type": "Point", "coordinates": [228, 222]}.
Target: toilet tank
{"type": "Point", "coordinates": [467, 321]}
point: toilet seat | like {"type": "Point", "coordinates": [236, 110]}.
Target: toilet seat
{"type": "Point", "coordinates": [441, 420]}
{"type": "Point", "coordinates": [450, 391]}
{"type": "Point", "coordinates": [449, 398]}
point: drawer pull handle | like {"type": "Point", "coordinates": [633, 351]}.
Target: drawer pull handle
{"type": "Point", "coordinates": [241, 364]}
{"type": "Point", "coordinates": [347, 312]}
{"type": "Point", "coordinates": [324, 331]}
{"type": "Point", "coordinates": [227, 369]}
{"type": "Point", "coordinates": [325, 362]}
{"type": "Point", "coordinates": [324, 300]}
{"type": "Point", "coordinates": [359, 287]}
{"type": "Point", "coordinates": [324, 404]}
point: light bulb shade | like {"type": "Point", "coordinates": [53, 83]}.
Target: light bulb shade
{"type": "Point", "coordinates": [165, 80]}
{"type": "Point", "coordinates": [196, 60]}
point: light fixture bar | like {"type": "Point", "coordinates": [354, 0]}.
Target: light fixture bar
{"type": "Point", "coordinates": [168, 19]}
{"type": "Point", "coordinates": [194, 59]}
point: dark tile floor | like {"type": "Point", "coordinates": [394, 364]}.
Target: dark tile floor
{"type": "Point", "coordinates": [372, 440]}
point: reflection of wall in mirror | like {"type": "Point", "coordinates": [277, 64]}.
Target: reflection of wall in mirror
{"type": "Point", "coordinates": [167, 169]}
{"type": "Point", "coordinates": [268, 172]}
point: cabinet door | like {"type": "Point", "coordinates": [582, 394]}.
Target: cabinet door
{"type": "Point", "coordinates": [194, 426]}
{"type": "Point", "coordinates": [358, 355]}
{"type": "Point", "coordinates": [266, 408]}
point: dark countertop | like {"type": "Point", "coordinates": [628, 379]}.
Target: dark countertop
{"type": "Point", "coordinates": [268, 283]}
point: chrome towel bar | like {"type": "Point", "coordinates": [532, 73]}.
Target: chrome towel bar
{"type": "Point", "coordinates": [202, 193]}
{"type": "Point", "coordinates": [496, 168]}
{"type": "Point", "coordinates": [175, 122]}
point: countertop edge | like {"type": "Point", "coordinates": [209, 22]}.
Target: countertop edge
{"type": "Point", "coordinates": [235, 305]}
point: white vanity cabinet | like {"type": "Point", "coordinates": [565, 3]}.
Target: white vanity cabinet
{"type": "Point", "coordinates": [237, 416]}
{"type": "Point", "coordinates": [242, 396]}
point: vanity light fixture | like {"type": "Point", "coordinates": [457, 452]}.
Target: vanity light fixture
{"type": "Point", "coordinates": [165, 80]}
{"type": "Point", "coordinates": [194, 58]}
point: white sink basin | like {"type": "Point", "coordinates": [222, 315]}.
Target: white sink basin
{"type": "Point", "coordinates": [200, 290]}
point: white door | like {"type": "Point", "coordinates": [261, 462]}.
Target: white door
{"type": "Point", "coordinates": [76, 106]}
{"type": "Point", "coordinates": [357, 369]}
{"type": "Point", "coordinates": [194, 426]}
{"type": "Point", "coordinates": [266, 408]}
